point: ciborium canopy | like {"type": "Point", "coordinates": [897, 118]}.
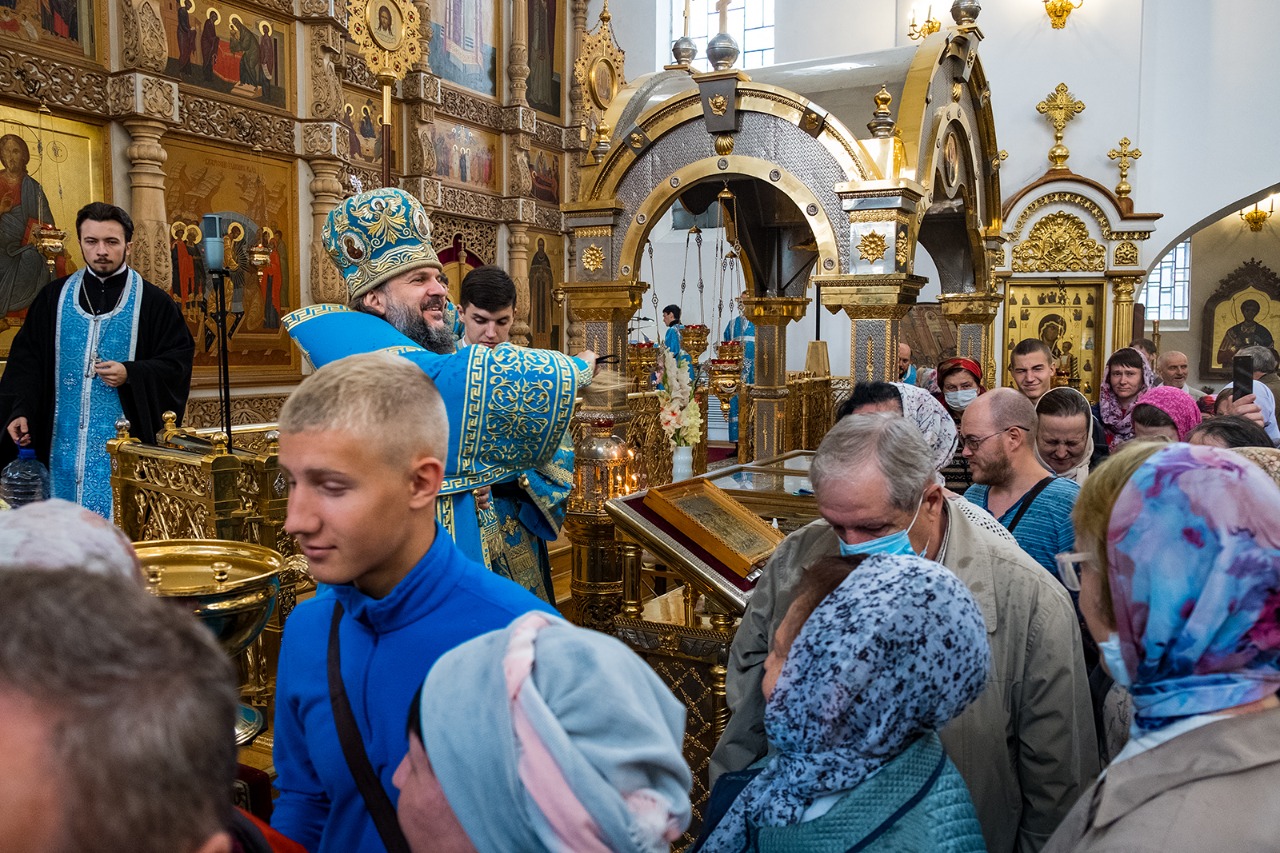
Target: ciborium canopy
{"type": "Point", "coordinates": [232, 587]}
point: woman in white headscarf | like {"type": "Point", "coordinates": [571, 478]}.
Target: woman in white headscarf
{"type": "Point", "coordinates": [1064, 433]}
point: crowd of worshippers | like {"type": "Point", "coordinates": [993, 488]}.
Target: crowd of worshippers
{"type": "Point", "coordinates": [1021, 623]}
{"type": "Point", "coordinates": [1078, 653]}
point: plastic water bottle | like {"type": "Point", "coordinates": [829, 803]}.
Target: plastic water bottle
{"type": "Point", "coordinates": [24, 480]}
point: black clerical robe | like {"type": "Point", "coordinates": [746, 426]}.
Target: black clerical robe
{"type": "Point", "coordinates": [159, 377]}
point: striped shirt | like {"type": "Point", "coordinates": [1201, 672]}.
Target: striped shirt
{"type": "Point", "coordinates": [1045, 528]}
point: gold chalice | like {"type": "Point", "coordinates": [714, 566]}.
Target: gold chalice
{"type": "Point", "coordinates": [230, 586]}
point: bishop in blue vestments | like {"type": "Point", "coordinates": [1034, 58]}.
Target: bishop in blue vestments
{"type": "Point", "coordinates": [509, 408]}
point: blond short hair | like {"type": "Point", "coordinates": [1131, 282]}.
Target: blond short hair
{"type": "Point", "coordinates": [1098, 496]}
{"type": "Point", "coordinates": [379, 396]}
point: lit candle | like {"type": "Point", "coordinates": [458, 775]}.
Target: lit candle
{"type": "Point", "coordinates": [724, 15]}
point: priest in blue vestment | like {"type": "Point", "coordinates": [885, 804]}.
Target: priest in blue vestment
{"type": "Point", "coordinates": [97, 345]}
{"type": "Point", "coordinates": [743, 330]}
{"type": "Point", "coordinates": [509, 408]}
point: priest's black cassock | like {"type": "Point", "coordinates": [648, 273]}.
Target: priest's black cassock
{"type": "Point", "coordinates": [159, 376]}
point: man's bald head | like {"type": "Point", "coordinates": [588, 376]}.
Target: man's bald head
{"type": "Point", "coordinates": [1173, 368]}
{"type": "Point", "coordinates": [1002, 408]}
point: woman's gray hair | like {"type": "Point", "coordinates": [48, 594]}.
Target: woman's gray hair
{"type": "Point", "coordinates": [891, 442]}
{"type": "Point", "coordinates": [1063, 402]}
{"type": "Point", "coordinates": [140, 703]}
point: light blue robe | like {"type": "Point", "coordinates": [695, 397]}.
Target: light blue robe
{"type": "Point", "coordinates": [741, 329]}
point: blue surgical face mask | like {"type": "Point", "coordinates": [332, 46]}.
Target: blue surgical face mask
{"type": "Point", "coordinates": [1114, 658]}
{"type": "Point", "coordinates": [960, 400]}
{"type": "Point", "coordinates": [895, 543]}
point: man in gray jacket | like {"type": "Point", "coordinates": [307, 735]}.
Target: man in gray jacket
{"type": "Point", "coordinates": [1026, 747]}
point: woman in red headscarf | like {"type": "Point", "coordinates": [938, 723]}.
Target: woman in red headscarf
{"type": "Point", "coordinates": [959, 384]}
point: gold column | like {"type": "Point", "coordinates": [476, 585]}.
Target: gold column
{"type": "Point", "coordinates": [326, 192]}
{"type": "Point", "coordinates": [977, 311]}
{"type": "Point", "coordinates": [1123, 288]}
{"type": "Point", "coordinates": [770, 314]}
{"type": "Point", "coordinates": [598, 564]}
{"type": "Point", "coordinates": [518, 267]}
{"type": "Point", "coordinates": [518, 67]}
{"type": "Point", "coordinates": [875, 304]}
{"type": "Point", "coordinates": [577, 98]}
{"type": "Point", "coordinates": [605, 308]}
{"type": "Point", "coordinates": [150, 252]}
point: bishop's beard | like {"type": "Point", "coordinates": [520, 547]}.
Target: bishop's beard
{"type": "Point", "coordinates": [410, 323]}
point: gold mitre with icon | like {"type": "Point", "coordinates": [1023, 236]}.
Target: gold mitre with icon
{"type": "Point", "coordinates": [377, 235]}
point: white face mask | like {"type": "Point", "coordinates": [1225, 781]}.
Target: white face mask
{"type": "Point", "coordinates": [960, 400]}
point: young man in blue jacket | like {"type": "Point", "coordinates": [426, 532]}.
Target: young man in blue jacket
{"type": "Point", "coordinates": [362, 441]}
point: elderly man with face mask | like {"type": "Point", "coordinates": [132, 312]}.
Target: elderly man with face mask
{"type": "Point", "coordinates": [1026, 746]}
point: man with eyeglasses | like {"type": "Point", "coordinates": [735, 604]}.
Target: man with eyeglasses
{"type": "Point", "coordinates": [998, 435]}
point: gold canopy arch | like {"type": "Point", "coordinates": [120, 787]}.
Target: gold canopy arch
{"type": "Point", "coordinates": [927, 174]}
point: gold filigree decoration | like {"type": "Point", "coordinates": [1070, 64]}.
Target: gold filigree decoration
{"type": "Point", "coordinates": [593, 258]}
{"type": "Point", "coordinates": [1087, 204]}
{"type": "Point", "coordinates": [1059, 242]}
{"type": "Point", "coordinates": [593, 231]}
{"type": "Point", "coordinates": [856, 216]}
{"type": "Point", "coordinates": [1126, 255]}
{"type": "Point", "coordinates": [900, 253]}
{"type": "Point", "coordinates": [719, 104]}
{"type": "Point", "coordinates": [872, 246]}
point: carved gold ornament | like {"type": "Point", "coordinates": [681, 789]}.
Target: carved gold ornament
{"type": "Point", "coordinates": [1126, 254]}
{"type": "Point", "coordinates": [593, 258]}
{"type": "Point", "coordinates": [872, 246]}
{"type": "Point", "coordinates": [1059, 242]}
{"type": "Point", "coordinates": [719, 104]}
{"type": "Point", "coordinates": [1124, 157]}
{"type": "Point", "coordinates": [900, 255]}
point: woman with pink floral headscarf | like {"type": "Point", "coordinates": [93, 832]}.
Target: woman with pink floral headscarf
{"type": "Point", "coordinates": [1180, 551]}
{"type": "Point", "coordinates": [1128, 374]}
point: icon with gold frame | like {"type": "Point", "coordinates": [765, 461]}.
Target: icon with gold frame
{"type": "Point", "coordinates": [1065, 317]}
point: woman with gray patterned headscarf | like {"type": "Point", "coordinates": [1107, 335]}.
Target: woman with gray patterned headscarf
{"type": "Point", "coordinates": [896, 651]}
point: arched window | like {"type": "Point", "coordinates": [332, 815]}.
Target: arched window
{"type": "Point", "coordinates": [1168, 289]}
{"type": "Point", "coordinates": [750, 23]}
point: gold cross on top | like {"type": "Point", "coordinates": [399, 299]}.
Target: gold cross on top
{"type": "Point", "coordinates": [1059, 108]}
{"type": "Point", "coordinates": [1124, 157]}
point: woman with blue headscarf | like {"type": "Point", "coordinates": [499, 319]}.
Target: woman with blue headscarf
{"type": "Point", "coordinates": [1180, 551]}
{"type": "Point", "coordinates": [858, 682]}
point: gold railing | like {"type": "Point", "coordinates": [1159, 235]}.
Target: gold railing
{"type": "Point", "coordinates": [192, 486]}
{"type": "Point", "coordinates": [810, 409]}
